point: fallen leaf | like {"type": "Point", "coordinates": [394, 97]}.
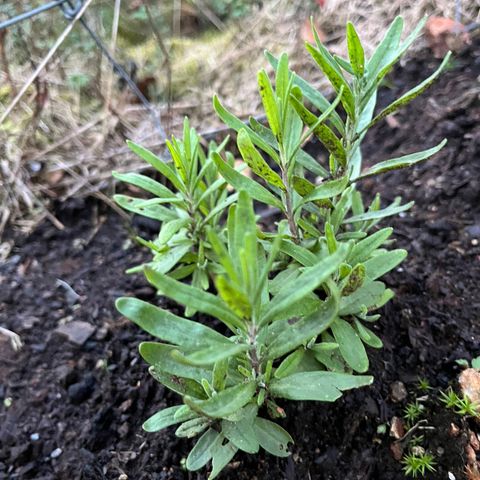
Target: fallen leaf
{"type": "Point", "coordinates": [444, 34]}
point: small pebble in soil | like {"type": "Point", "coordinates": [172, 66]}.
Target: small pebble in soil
{"type": "Point", "coordinates": [398, 392]}
{"type": "Point", "coordinates": [81, 391]}
{"type": "Point", "coordinates": [34, 437]}
{"type": "Point", "coordinates": [56, 453]}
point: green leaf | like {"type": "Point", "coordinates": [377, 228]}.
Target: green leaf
{"type": "Point", "coordinates": [158, 164]}
{"type": "Point", "coordinates": [376, 214]}
{"type": "Point", "coordinates": [322, 131]}
{"type": "Point", "coordinates": [382, 263]}
{"type": "Point", "coordinates": [221, 455]}
{"type": "Point", "coordinates": [476, 363]}
{"type": "Point", "coordinates": [201, 453]}
{"type": "Point", "coordinates": [167, 326]}
{"type": "Point", "coordinates": [236, 124]}
{"type": "Point", "coordinates": [368, 295]}
{"type": "Point", "coordinates": [269, 102]}
{"type": "Point", "coordinates": [241, 182]}
{"type": "Point", "coordinates": [303, 330]}
{"type": "Point", "coordinates": [182, 386]}
{"type": "Point", "coordinates": [289, 363]}
{"type": "Point", "coordinates": [169, 229]}
{"type": "Point", "coordinates": [402, 49]}
{"type": "Point", "coordinates": [233, 297]}
{"type": "Point", "coordinates": [191, 428]}
{"type": "Point", "coordinates": [224, 403]}
{"type": "Point", "coordinates": [319, 386]}
{"type": "Point", "coordinates": [141, 207]}
{"type": "Point", "coordinates": [272, 437]}
{"type": "Point", "coordinates": [368, 336]}
{"type": "Point", "coordinates": [160, 355]}
{"type": "Point", "coordinates": [282, 77]}
{"type": "Point", "coordinates": [255, 161]}
{"type": "Point", "coordinates": [144, 182]}
{"type": "Point", "coordinates": [363, 249]}
{"type": "Point", "coordinates": [350, 345]}
{"type": "Point", "coordinates": [170, 258]}
{"type": "Point", "coordinates": [165, 418]}
{"type": "Point", "coordinates": [327, 64]}
{"type": "Point", "coordinates": [387, 48]}
{"type": "Point", "coordinates": [411, 94]}
{"type": "Point", "coordinates": [345, 64]}
{"type": "Point", "coordinates": [312, 94]}
{"type": "Point", "coordinates": [354, 280]}
{"type": "Point", "coordinates": [308, 281]}
{"type": "Point", "coordinates": [241, 434]}
{"type": "Point", "coordinates": [215, 353]}
{"type": "Point", "coordinates": [326, 190]}
{"type": "Point", "coordinates": [302, 255]}
{"type": "Point", "coordinates": [355, 51]}
{"type": "Point", "coordinates": [401, 162]}
{"type": "Point", "coordinates": [194, 298]}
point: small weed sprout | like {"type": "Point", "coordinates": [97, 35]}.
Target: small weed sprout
{"type": "Point", "coordinates": [412, 413]}
{"type": "Point", "coordinates": [293, 304]}
{"type": "Point", "coordinates": [418, 464]}
{"type": "Point", "coordinates": [424, 385]}
{"type": "Point", "coordinates": [462, 406]}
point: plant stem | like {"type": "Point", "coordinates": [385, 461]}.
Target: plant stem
{"type": "Point", "coordinates": [288, 208]}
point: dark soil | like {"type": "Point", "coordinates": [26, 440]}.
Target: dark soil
{"type": "Point", "coordinates": [89, 401]}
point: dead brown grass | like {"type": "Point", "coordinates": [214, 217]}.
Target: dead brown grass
{"type": "Point", "coordinates": [56, 153]}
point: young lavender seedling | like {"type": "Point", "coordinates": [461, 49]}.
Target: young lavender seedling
{"type": "Point", "coordinates": [293, 304]}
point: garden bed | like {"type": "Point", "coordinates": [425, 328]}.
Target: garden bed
{"type": "Point", "coordinates": [76, 410]}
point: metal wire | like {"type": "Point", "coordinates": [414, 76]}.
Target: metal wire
{"type": "Point", "coordinates": [31, 13]}
{"type": "Point", "coordinates": [70, 9]}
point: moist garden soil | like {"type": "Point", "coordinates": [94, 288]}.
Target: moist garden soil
{"type": "Point", "coordinates": [75, 411]}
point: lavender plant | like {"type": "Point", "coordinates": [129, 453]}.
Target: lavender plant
{"type": "Point", "coordinates": [193, 202]}
{"type": "Point", "coordinates": [294, 304]}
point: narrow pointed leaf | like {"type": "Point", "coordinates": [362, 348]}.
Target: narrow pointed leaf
{"type": "Point", "coordinates": [310, 279]}
{"type": "Point", "coordinates": [165, 418]}
{"type": "Point", "coordinates": [350, 345]}
{"type": "Point", "coordinates": [319, 386]}
{"type": "Point", "coordinates": [401, 162]}
{"type": "Point", "coordinates": [145, 183]}
{"type": "Point", "coordinates": [194, 298]}
{"type": "Point", "coordinates": [272, 437]}
{"type": "Point", "coordinates": [387, 48]}
{"type": "Point", "coordinates": [215, 353]}
{"type": "Point", "coordinates": [241, 182]}
{"type": "Point", "coordinates": [157, 163]}
{"type": "Point", "coordinates": [201, 453]}
{"type": "Point", "coordinates": [327, 190]}
{"type": "Point", "coordinates": [221, 456]}
{"type": "Point", "coordinates": [411, 94]}
{"type": "Point", "coordinates": [241, 434]}
{"type": "Point", "coordinates": [167, 326]}
{"type": "Point", "coordinates": [225, 402]}
{"type": "Point", "coordinates": [368, 295]}
{"type": "Point", "coordinates": [160, 355]}
{"type": "Point", "coordinates": [141, 207]}
{"type": "Point", "coordinates": [255, 161]}
{"type": "Point", "coordinates": [322, 131]}
{"type": "Point", "coordinates": [382, 263]}
{"type": "Point", "coordinates": [236, 124]}
{"type": "Point", "coordinates": [363, 249]}
{"type": "Point", "coordinates": [269, 102]}
{"type": "Point", "coordinates": [335, 77]}
{"type": "Point", "coordinates": [355, 51]}
{"type": "Point", "coordinates": [373, 215]}
{"type": "Point", "coordinates": [303, 330]}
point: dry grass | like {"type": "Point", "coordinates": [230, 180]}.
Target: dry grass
{"type": "Point", "coordinates": [52, 151]}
